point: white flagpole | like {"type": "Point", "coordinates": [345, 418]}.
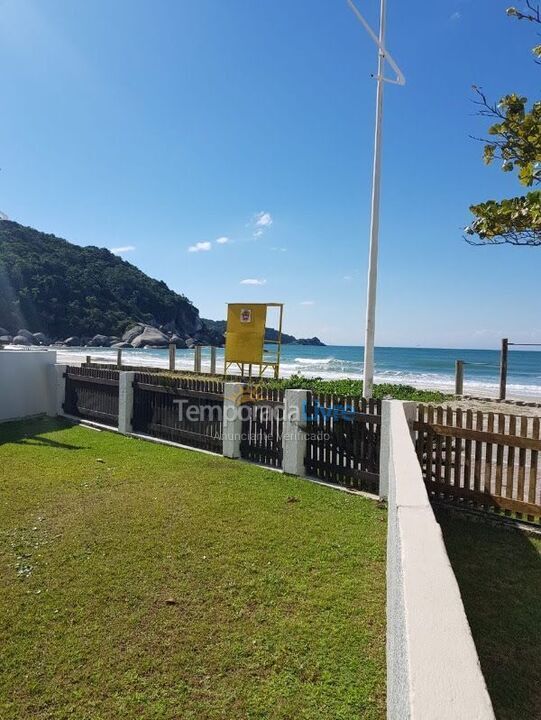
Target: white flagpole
{"type": "Point", "coordinates": [383, 55]}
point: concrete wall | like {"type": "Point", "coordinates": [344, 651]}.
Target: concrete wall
{"type": "Point", "coordinates": [433, 671]}
{"type": "Point", "coordinates": [25, 383]}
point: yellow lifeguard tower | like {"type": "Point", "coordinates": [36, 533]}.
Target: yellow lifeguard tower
{"type": "Point", "coordinates": [245, 344]}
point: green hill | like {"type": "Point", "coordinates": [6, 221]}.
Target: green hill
{"type": "Point", "coordinates": [50, 285]}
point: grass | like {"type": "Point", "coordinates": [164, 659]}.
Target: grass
{"type": "Point", "coordinates": [499, 574]}
{"type": "Point", "coordinates": [346, 386]}
{"type": "Point", "coordinates": [140, 580]}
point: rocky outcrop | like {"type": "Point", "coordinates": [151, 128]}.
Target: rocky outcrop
{"type": "Point", "coordinates": [132, 332]}
{"type": "Point", "coordinates": [151, 337]}
{"type": "Point", "coordinates": [309, 341]}
{"type": "Point", "coordinates": [40, 339]}
{"type": "Point", "coordinates": [180, 343]}
{"type": "Point", "coordinates": [25, 334]}
{"type": "Point", "coordinates": [99, 341]}
{"type": "Point", "coordinates": [73, 341]}
{"type": "Point", "coordinates": [21, 340]}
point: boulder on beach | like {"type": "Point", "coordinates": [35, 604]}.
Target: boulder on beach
{"type": "Point", "coordinates": [121, 345]}
{"type": "Point", "coordinates": [72, 341]}
{"type": "Point", "coordinates": [5, 339]}
{"type": "Point", "coordinates": [25, 334]}
{"type": "Point", "coordinates": [41, 339]}
{"type": "Point", "coordinates": [132, 332]}
{"type": "Point", "coordinates": [22, 340]}
{"type": "Point", "coordinates": [151, 337]}
{"type": "Point", "coordinates": [179, 342]}
{"type": "Point", "coordinates": [99, 341]}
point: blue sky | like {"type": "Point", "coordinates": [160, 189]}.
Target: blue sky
{"type": "Point", "coordinates": [162, 126]}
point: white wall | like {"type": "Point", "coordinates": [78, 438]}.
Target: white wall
{"type": "Point", "coordinates": [25, 383]}
{"type": "Point", "coordinates": [433, 671]}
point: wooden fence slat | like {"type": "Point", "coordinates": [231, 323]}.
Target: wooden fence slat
{"type": "Point", "coordinates": [458, 451]}
{"type": "Point", "coordinates": [439, 445]}
{"type": "Point", "coordinates": [92, 394]}
{"type": "Point", "coordinates": [449, 461]}
{"type": "Point", "coordinates": [504, 479]}
{"type": "Point", "coordinates": [343, 440]}
{"type": "Point", "coordinates": [532, 479]}
{"type": "Point", "coordinates": [488, 455]}
{"type": "Point", "coordinates": [479, 419]}
{"type": "Point", "coordinates": [156, 412]}
{"type": "Point", "coordinates": [500, 455]}
{"type": "Point", "coordinates": [430, 443]}
{"type": "Point", "coordinates": [467, 451]}
{"type": "Point", "coordinates": [510, 475]}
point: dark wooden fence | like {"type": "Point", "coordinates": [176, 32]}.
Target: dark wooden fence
{"type": "Point", "coordinates": [183, 410]}
{"type": "Point", "coordinates": [488, 461]}
{"type": "Point", "coordinates": [92, 394]}
{"type": "Point", "coordinates": [262, 426]}
{"type": "Point", "coordinates": [343, 443]}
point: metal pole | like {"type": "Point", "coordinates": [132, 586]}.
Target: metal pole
{"type": "Point", "coordinates": [213, 360]}
{"type": "Point", "coordinates": [459, 377]}
{"type": "Point", "coordinates": [368, 374]}
{"type": "Point", "coordinates": [503, 368]}
{"type": "Point", "coordinates": [119, 358]}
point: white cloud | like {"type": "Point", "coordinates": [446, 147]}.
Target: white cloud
{"type": "Point", "coordinates": [456, 16]}
{"type": "Point", "coordinates": [222, 240]}
{"type": "Point", "coordinates": [279, 249]}
{"type": "Point", "coordinates": [258, 233]}
{"type": "Point", "coordinates": [308, 302]}
{"type": "Point", "coordinates": [123, 249]}
{"type": "Point", "coordinates": [253, 281]}
{"type": "Point", "coordinates": [348, 277]}
{"type": "Point", "coordinates": [200, 247]}
{"type": "Point", "coordinates": [263, 219]}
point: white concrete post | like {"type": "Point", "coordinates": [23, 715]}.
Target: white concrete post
{"type": "Point", "coordinates": [232, 419]}
{"type": "Point", "coordinates": [125, 402]}
{"type": "Point", "coordinates": [58, 389]}
{"type": "Point", "coordinates": [293, 434]}
{"type": "Point", "coordinates": [213, 360]}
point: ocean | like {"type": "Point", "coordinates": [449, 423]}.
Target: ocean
{"type": "Point", "coordinates": [420, 367]}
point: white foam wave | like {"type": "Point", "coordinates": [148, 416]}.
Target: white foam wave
{"type": "Point", "coordinates": [314, 361]}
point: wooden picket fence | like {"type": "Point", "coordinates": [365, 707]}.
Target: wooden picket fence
{"type": "Point", "coordinates": [182, 410]}
{"type": "Point", "coordinates": [92, 394]}
{"type": "Point", "coordinates": [343, 440]}
{"type": "Point", "coordinates": [262, 426]}
{"type": "Point", "coordinates": [485, 460]}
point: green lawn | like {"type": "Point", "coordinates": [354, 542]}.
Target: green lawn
{"type": "Point", "coordinates": [144, 581]}
{"type": "Point", "coordinates": [499, 573]}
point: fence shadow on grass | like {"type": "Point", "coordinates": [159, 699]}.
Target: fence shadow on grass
{"type": "Point", "coordinates": [499, 574]}
{"type": "Point", "coordinates": [31, 432]}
